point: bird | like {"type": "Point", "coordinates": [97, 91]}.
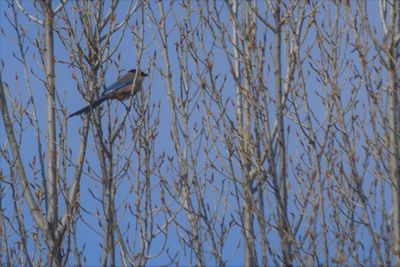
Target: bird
{"type": "Point", "coordinates": [121, 90]}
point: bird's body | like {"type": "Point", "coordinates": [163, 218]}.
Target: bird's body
{"type": "Point", "coordinates": [121, 90]}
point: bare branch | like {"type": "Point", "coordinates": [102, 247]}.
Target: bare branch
{"type": "Point", "coordinates": [29, 16]}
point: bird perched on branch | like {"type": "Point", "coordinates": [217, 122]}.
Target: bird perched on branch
{"type": "Point", "coordinates": [121, 90]}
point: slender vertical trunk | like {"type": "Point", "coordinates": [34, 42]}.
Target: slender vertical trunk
{"type": "Point", "coordinates": [105, 157]}
{"type": "Point", "coordinates": [394, 154]}
{"type": "Point", "coordinates": [282, 173]}
{"type": "Point", "coordinates": [393, 121]}
{"type": "Point", "coordinates": [251, 255]}
{"type": "Point", "coordinates": [250, 258]}
{"type": "Point", "coordinates": [248, 235]}
{"type": "Point", "coordinates": [51, 181]}
{"type": "Point", "coordinates": [110, 223]}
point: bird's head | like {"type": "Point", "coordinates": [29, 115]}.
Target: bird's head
{"type": "Point", "coordinates": [142, 74]}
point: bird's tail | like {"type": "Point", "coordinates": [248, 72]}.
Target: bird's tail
{"type": "Point", "coordinates": [88, 108]}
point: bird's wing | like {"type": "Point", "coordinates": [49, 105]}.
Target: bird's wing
{"type": "Point", "coordinates": [115, 86]}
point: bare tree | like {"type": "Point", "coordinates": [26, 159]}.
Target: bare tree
{"type": "Point", "coordinates": [50, 226]}
{"type": "Point", "coordinates": [267, 132]}
{"type": "Point", "coordinates": [386, 46]}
